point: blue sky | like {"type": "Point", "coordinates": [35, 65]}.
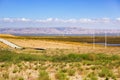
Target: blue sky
{"type": "Point", "coordinates": [61, 9]}
{"type": "Point", "coordinates": [35, 9]}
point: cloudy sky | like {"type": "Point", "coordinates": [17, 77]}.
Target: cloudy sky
{"type": "Point", "coordinates": [60, 13]}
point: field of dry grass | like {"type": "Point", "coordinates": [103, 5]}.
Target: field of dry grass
{"type": "Point", "coordinates": [61, 66]}
{"type": "Point", "coordinates": [2, 45]}
{"type": "Point", "coordinates": [74, 46]}
{"type": "Point", "coordinates": [59, 61]}
{"type": "Point", "coordinates": [6, 35]}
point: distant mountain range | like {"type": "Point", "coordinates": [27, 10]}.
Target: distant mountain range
{"type": "Point", "coordinates": [58, 30]}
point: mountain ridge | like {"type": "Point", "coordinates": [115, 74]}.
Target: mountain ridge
{"type": "Point", "coordinates": [57, 30]}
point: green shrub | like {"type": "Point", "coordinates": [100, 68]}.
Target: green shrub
{"type": "Point", "coordinates": [61, 76]}
{"type": "Point", "coordinates": [64, 70]}
{"type": "Point", "coordinates": [21, 78]}
{"type": "Point", "coordinates": [15, 70]}
{"type": "Point", "coordinates": [92, 76]}
{"type": "Point", "coordinates": [105, 72]}
{"type": "Point", "coordinates": [43, 75]}
{"type": "Point", "coordinates": [6, 75]}
{"type": "Point", "coordinates": [71, 72]}
{"type": "Point", "coordinates": [5, 65]}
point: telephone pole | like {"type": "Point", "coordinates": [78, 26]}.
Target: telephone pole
{"type": "Point", "coordinates": [105, 39]}
{"type": "Point", "coordinates": [93, 39]}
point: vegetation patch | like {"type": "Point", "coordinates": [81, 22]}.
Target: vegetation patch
{"type": "Point", "coordinates": [43, 75]}
{"type": "Point", "coordinates": [86, 39]}
{"type": "Point", "coordinates": [63, 66]}
{"type": "Point", "coordinates": [61, 76]}
{"type": "Point", "coordinates": [9, 56]}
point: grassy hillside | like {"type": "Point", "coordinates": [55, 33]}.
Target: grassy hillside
{"type": "Point", "coordinates": [6, 35]}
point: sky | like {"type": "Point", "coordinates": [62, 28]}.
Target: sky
{"type": "Point", "coordinates": [58, 13]}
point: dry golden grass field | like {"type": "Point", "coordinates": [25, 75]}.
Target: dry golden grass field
{"type": "Point", "coordinates": [74, 46]}
{"type": "Point", "coordinates": [61, 60]}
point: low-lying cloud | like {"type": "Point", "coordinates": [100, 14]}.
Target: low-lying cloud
{"type": "Point", "coordinates": [82, 20]}
{"type": "Point", "coordinates": [55, 22]}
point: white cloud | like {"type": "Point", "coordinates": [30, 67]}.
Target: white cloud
{"type": "Point", "coordinates": [7, 19]}
{"type": "Point", "coordinates": [70, 21]}
{"type": "Point", "coordinates": [84, 20]}
{"type": "Point", "coordinates": [103, 20]}
{"type": "Point", "coordinates": [21, 20]}
{"type": "Point", "coordinates": [45, 20]}
{"type": "Point", "coordinates": [24, 19]}
{"type": "Point", "coordinates": [118, 19]}
{"type": "Point", "coordinates": [49, 19]}
{"type": "Point", "coordinates": [65, 21]}
{"type": "Point", "coordinates": [15, 19]}
{"type": "Point", "coordinates": [56, 20]}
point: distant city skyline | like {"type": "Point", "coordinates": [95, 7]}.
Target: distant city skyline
{"type": "Point", "coordinates": [60, 13]}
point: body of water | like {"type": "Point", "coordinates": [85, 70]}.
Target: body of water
{"type": "Point", "coordinates": [108, 44]}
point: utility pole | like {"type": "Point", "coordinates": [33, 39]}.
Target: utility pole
{"type": "Point", "coordinates": [105, 39]}
{"type": "Point", "coordinates": [93, 39]}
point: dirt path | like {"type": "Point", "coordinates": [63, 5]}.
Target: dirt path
{"type": "Point", "coordinates": [10, 44]}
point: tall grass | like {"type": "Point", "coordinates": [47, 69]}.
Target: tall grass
{"type": "Point", "coordinates": [8, 56]}
{"type": "Point", "coordinates": [91, 76]}
{"type": "Point", "coordinates": [43, 75]}
{"type": "Point", "coordinates": [61, 76]}
{"type": "Point", "coordinates": [88, 57]}
{"type": "Point", "coordinates": [105, 72]}
{"type": "Point", "coordinates": [102, 63]}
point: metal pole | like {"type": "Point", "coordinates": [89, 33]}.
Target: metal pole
{"type": "Point", "coordinates": [93, 40]}
{"type": "Point", "coordinates": [105, 39]}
